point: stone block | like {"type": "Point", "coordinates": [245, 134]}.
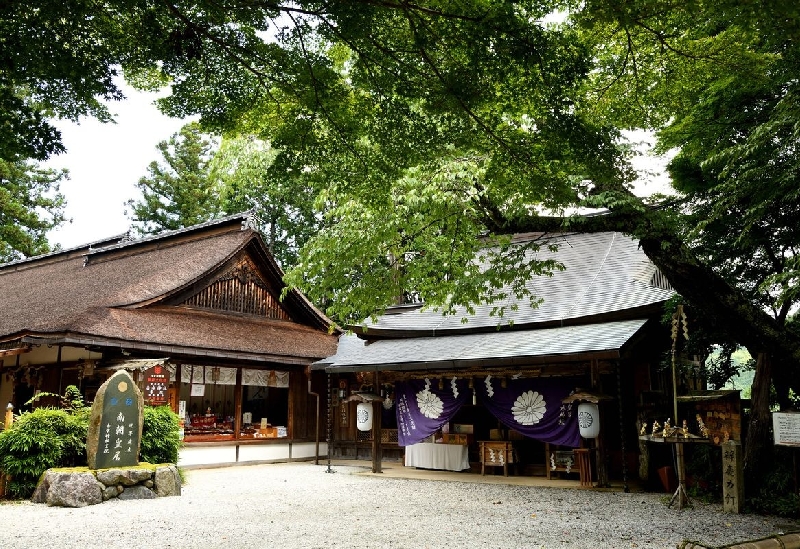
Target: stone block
{"type": "Point", "coordinates": [73, 489]}
{"type": "Point", "coordinates": [137, 492]}
{"type": "Point", "coordinates": [125, 477]}
{"type": "Point", "coordinates": [167, 481]}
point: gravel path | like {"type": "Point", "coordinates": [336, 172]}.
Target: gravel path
{"type": "Point", "coordinates": [300, 505]}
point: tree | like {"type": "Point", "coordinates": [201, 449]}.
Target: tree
{"type": "Point", "coordinates": [180, 193]}
{"type": "Point", "coordinates": [283, 205]}
{"type": "Point", "coordinates": [724, 93]}
{"type": "Point", "coordinates": [30, 206]}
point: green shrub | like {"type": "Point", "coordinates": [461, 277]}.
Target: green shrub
{"type": "Point", "coordinates": [40, 440]}
{"type": "Point", "coordinates": [160, 435]}
{"type": "Point", "coordinates": [772, 493]}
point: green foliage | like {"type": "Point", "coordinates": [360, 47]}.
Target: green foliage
{"type": "Point", "coordinates": [40, 440]}
{"type": "Point", "coordinates": [30, 206]}
{"type": "Point", "coordinates": [180, 193]}
{"type": "Point", "coordinates": [282, 202]}
{"type": "Point", "coordinates": [160, 435]}
{"type": "Point", "coordinates": [704, 470]}
{"type": "Point", "coordinates": [773, 491]}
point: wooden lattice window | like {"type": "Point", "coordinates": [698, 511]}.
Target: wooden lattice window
{"type": "Point", "coordinates": [240, 290]}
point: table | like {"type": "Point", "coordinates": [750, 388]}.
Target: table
{"type": "Point", "coordinates": [429, 455]}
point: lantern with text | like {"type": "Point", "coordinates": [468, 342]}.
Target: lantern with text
{"type": "Point", "coordinates": [364, 416]}
{"type": "Point", "coordinates": [589, 419]}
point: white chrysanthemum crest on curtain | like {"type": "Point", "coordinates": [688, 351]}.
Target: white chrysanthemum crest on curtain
{"type": "Point", "coordinates": [430, 405]}
{"type": "Point", "coordinates": [529, 408]}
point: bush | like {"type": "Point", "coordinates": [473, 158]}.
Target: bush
{"type": "Point", "coordinates": [40, 440]}
{"type": "Point", "coordinates": [773, 492]}
{"type": "Point", "coordinates": [160, 435]}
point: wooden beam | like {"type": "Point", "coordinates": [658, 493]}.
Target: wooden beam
{"type": "Point", "coordinates": [14, 351]}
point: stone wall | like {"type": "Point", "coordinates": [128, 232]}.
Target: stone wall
{"type": "Point", "coordinates": [80, 487]}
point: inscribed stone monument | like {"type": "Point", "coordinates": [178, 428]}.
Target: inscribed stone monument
{"type": "Point", "coordinates": [115, 424]}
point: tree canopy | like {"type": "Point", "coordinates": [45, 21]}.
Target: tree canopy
{"type": "Point", "coordinates": [30, 205]}
{"type": "Point", "coordinates": [180, 192]}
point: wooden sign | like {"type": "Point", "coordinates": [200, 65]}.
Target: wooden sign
{"type": "Point", "coordinates": [156, 383]}
{"type": "Point", "coordinates": [786, 426]}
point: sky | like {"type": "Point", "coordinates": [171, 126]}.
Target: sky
{"type": "Point", "coordinates": [106, 160]}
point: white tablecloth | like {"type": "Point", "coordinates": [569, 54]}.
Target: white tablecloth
{"type": "Point", "coordinates": [452, 457]}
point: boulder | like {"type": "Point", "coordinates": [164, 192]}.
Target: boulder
{"type": "Point", "coordinates": [69, 489]}
{"type": "Point", "coordinates": [137, 492]}
{"type": "Point", "coordinates": [125, 477]}
{"type": "Point", "coordinates": [167, 481]}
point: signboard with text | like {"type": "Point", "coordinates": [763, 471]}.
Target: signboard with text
{"type": "Point", "coordinates": [786, 427]}
{"type": "Point", "coordinates": [115, 424]}
{"type": "Point", "coordinates": [156, 383]}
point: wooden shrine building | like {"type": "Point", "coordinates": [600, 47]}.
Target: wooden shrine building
{"type": "Point", "coordinates": [508, 391]}
{"type": "Point", "coordinates": [195, 315]}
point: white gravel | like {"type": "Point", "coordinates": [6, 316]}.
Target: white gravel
{"type": "Point", "coordinates": [301, 505]}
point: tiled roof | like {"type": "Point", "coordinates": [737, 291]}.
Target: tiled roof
{"type": "Point", "coordinates": [464, 350]}
{"type": "Point", "coordinates": [607, 277]}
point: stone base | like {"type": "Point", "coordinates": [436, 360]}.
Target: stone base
{"type": "Point", "coordinates": [80, 487]}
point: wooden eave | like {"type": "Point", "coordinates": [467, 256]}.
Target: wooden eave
{"type": "Point", "coordinates": [493, 364]}
{"type": "Point", "coordinates": [375, 333]}
{"type": "Point", "coordinates": [175, 351]}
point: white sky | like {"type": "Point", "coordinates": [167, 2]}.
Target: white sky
{"type": "Point", "coordinates": [106, 160]}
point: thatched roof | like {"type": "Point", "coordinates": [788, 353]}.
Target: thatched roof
{"type": "Point", "coordinates": [129, 294]}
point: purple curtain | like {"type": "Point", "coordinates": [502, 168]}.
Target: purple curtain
{"type": "Point", "coordinates": [422, 408]}
{"type": "Point", "coordinates": [532, 407]}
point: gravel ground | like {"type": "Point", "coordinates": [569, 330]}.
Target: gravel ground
{"type": "Point", "coordinates": [301, 505]}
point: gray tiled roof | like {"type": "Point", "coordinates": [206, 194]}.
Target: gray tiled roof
{"type": "Point", "coordinates": [606, 274]}
{"type": "Point", "coordinates": [463, 350]}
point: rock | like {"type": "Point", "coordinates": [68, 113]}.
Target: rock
{"type": "Point", "coordinates": [149, 484]}
{"type": "Point", "coordinates": [137, 492]}
{"type": "Point", "coordinates": [167, 481]}
{"type": "Point", "coordinates": [73, 489]}
{"type": "Point", "coordinates": [125, 477]}
{"type": "Point", "coordinates": [40, 494]}
{"type": "Point", "coordinates": [110, 492]}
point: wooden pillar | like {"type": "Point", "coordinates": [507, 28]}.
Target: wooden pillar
{"type": "Point", "coordinates": [377, 430]}
{"type": "Point", "coordinates": [600, 462]}
{"type": "Point", "coordinates": [237, 406]}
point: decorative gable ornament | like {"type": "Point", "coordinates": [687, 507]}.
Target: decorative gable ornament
{"type": "Point", "coordinates": [240, 289]}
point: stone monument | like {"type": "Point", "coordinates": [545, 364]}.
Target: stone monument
{"type": "Point", "coordinates": [115, 424]}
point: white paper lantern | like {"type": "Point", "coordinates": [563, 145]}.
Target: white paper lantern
{"type": "Point", "coordinates": [364, 416]}
{"type": "Point", "coordinates": [589, 419]}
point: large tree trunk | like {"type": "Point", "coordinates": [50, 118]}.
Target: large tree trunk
{"type": "Point", "coordinates": [758, 429]}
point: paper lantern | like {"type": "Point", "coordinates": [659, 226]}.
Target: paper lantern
{"type": "Point", "coordinates": [364, 416]}
{"type": "Point", "coordinates": [589, 419]}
